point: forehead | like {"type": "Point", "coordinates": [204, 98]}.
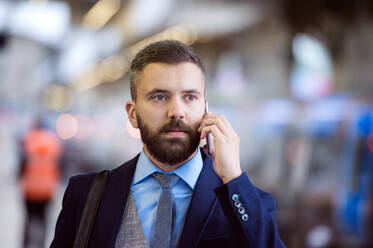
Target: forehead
{"type": "Point", "coordinates": [171, 77]}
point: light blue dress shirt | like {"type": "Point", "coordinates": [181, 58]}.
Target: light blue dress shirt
{"type": "Point", "coordinates": [146, 192]}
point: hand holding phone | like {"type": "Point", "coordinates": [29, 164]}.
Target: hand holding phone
{"type": "Point", "coordinates": [223, 145]}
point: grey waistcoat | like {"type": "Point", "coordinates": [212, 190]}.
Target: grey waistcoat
{"type": "Point", "coordinates": [131, 234]}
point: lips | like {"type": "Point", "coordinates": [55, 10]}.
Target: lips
{"type": "Point", "coordinates": [175, 132]}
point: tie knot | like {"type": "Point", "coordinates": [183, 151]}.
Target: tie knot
{"type": "Point", "coordinates": [166, 181]}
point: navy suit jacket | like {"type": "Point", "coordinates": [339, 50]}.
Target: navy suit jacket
{"type": "Point", "coordinates": [213, 219]}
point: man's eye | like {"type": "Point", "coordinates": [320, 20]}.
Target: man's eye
{"type": "Point", "coordinates": [159, 97]}
{"type": "Point", "coordinates": [190, 97]}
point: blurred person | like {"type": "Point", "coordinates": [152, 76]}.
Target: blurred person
{"type": "Point", "coordinates": [172, 194]}
{"type": "Point", "coordinates": [40, 176]}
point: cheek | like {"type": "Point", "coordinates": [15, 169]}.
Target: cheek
{"type": "Point", "coordinates": [152, 118]}
{"type": "Point", "coordinates": [196, 121]}
{"type": "Point", "coordinates": [198, 115]}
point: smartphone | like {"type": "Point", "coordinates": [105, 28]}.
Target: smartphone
{"type": "Point", "coordinates": [209, 137]}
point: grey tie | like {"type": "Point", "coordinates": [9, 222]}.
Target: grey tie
{"type": "Point", "coordinates": [165, 221]}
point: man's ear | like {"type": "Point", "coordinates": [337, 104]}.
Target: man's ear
{"type": "Point", "coordinates": [131, 112]}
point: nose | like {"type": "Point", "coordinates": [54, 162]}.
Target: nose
{"type": "Point", "coordinates": [176, 110]}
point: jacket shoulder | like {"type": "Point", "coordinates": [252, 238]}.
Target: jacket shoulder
{"type": "Point", "coordinates": [83, 181]}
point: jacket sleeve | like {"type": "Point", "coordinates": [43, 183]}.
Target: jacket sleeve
{"type": "Point", "coordinates": [251, 213]}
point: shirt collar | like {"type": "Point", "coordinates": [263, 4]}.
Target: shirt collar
{"type": "Point", "coordinates": [188, 172]}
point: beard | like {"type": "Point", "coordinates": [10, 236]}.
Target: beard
{"type": "Point", "coordinates": [168, 150]}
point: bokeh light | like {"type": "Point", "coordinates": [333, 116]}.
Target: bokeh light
{"type": "Point", "coordinates": [85, 126]}
{"type": "Point", "coordinates": [66, 126]}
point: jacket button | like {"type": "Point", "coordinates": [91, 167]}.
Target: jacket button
{"type": "Point", "coordinates": [237, 204]}
{"type": "Point", "coordinates": [241, 210]}
{"type": "Point", "coordinates": [245, 217]}
{"type": "Point", "coordinates": [235, 197]}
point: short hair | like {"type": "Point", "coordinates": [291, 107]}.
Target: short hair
{"type": "Point", "coordinates": [165, 51]}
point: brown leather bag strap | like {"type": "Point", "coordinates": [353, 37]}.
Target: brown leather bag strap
{"type": "Point", "coordinates": [91, 205]}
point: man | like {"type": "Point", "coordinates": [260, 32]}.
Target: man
{"type": "Point", "coordinates": [39, 178]}
{"type": "Point", "coordinates": [210, 202]}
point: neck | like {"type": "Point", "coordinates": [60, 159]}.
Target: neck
{"type": "Point", "coordinates": [166, 167]}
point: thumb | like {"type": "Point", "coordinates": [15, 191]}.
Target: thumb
{"type": "Point", "coordinates": [205, 149]}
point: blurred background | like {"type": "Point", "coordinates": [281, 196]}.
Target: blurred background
{"type": "Point", "coordinates": [294, 78]}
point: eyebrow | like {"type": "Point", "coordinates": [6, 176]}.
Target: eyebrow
{"type": "Point", "coordinates": [192, 91]}
{"type": "Point", "coordinates": [157, 90]}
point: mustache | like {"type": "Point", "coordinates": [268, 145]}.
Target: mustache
{"type": "Point", "coordinates": [176, 123]}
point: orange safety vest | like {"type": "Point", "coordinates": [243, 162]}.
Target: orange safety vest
{"type": "Point", "coordinates": [42, 174]}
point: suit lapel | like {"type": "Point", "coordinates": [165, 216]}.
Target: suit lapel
{"type": "Point", "coordinates": [109, 217]}
{"type": "Point", "coordinates": [201, 206]}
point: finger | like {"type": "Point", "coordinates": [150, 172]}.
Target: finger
{"type": "Point", "coordinates": [212, 151]}
{"type": "Point", "coordinates": [206, 150]}
{"type": "Point", "coordinates": [227, 124]}
{"type": "Point", "coordinates": [202, 142]}
{"type": "Point", "coordinates": [205, 117]}
{"type": "Point", "coordinates": [215, 120]}
{"type": "Point", "coordinates": [206, 122]}
{"type": "Point", "coordinates": [224, 123]}
{"type": "Point", "coordinates": [215, 132]}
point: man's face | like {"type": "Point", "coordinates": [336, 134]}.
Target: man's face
{"type": "Point", "coordinates": [169, 108]}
